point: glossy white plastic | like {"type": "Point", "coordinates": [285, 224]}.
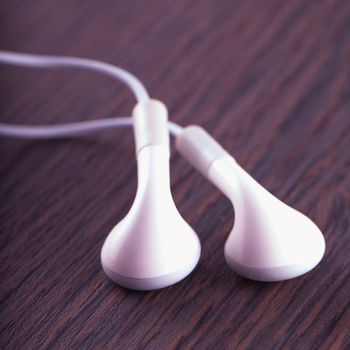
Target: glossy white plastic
{"type": "Point", "coordinates": [152, 247]}
{"type": "Point", "coordinates": [270, 241]}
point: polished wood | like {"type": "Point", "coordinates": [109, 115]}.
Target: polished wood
{"type": "Point", "coordinates": [269, 79]}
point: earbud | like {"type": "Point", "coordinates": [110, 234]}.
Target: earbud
{"type": "Point", "coordinates": [270, 241]}
{"type": "Point", "coordinates": [152, 247]}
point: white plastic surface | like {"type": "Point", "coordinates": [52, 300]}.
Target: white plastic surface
{"type": "Point", "coordinates": [270, 241]}
{"type": "Point", "coordinates": [199, 148]}
{"type": "Point", "coordinates": [152, 247]}
{"type": "Point", "coordinates": [150, 124]}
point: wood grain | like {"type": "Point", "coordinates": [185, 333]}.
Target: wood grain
{"type": "Point", "coordinates": [269, 79]}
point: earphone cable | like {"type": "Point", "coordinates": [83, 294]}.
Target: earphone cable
{"type": "Point", "coordinates": [71, 129]}
{"type": "Point", "coordinates": [42, 61]}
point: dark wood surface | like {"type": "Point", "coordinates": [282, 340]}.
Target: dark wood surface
{"type": "Point", "coordinates": [269, 79]}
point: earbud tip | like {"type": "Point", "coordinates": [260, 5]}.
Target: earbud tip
{"type": "Point", "coordinates": [152, 283]}
{"type": "Point", "coordinates": [146, 254]}
{"type": "Point", "coordinates": [282, 272]}
{"type": "Point", "coordinates": [153, 280]}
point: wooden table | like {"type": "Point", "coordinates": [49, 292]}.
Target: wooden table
{"type": "Point", "coordinates": [269, 79]}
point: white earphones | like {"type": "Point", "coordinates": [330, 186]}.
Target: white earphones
{"type": "Point", "coordinates": [153, 247]}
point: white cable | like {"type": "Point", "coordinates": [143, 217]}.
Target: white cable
{"type": "Point", "coordinates": [41, 61]}
{"type": "Point", "coordinates": [71, 129]}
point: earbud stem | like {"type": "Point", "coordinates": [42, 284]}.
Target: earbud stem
{"type": "Point", "coordinates": [150, 125]}
{"type": "Point", "coordinates": [199, 148]}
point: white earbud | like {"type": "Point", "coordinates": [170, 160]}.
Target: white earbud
{"type": "Point", "coordinates": [152, 247]}
{"type": "Point", "coordinates": [269, 241]}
